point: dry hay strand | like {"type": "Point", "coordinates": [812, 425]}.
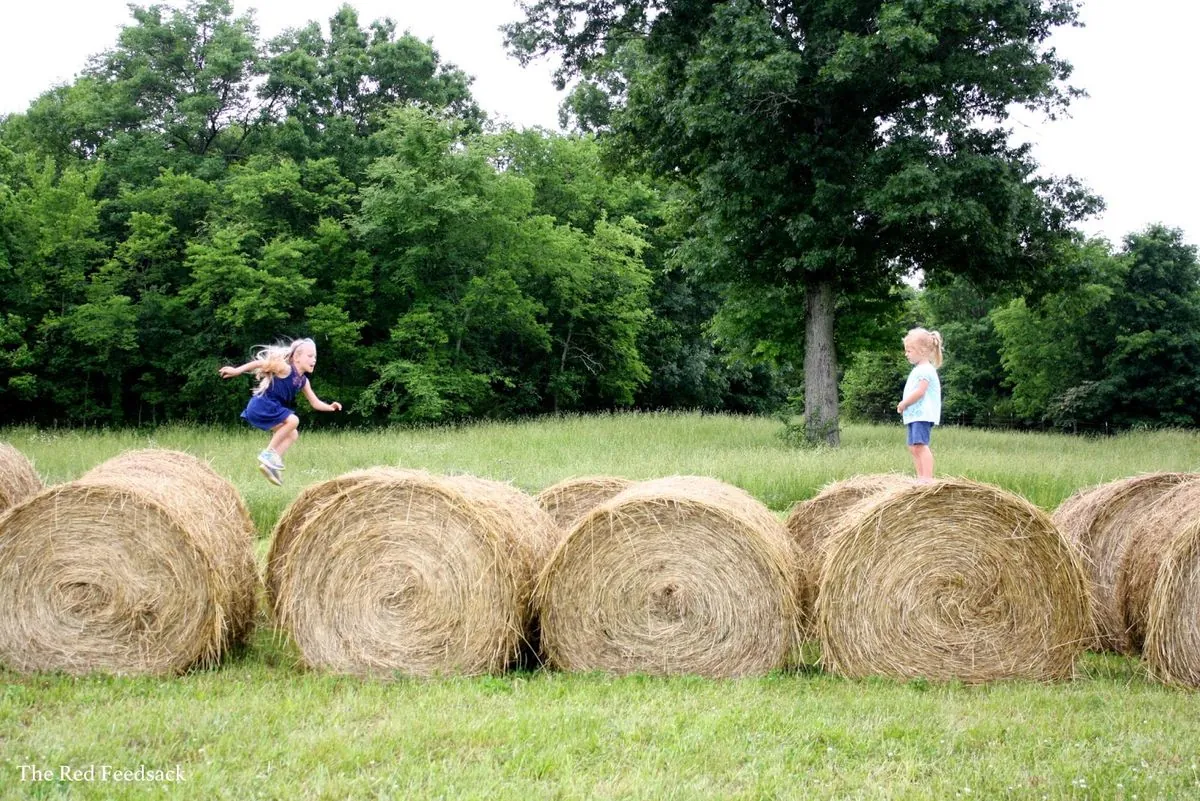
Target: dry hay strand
{"type": "Point", "coordinates": [18, 479]}
{"type": "Point", "coordinates": [1099, 522]}
{"type": "Point", "coordinates": [1172, 645]}
{"type": "Point", "coordinates": [952, 580]}
{"type": "Point", "coordinates": [811, 523]}
{"type": "Point", "coordinates": [402, 572]}
{"type": "Point", "coordinates": [145, 565]}
{"type": "Point", "coordinates": [681, 575]}
{"type": "Point", "coordinates": [572, 498]}
{"type": "Point", "coordinates": [1150, 539]}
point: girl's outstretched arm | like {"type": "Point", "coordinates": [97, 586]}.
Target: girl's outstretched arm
{"type": "Point", "coordinates": [230, 372]}
{"type": "Point", "coordinates": [317, 403]}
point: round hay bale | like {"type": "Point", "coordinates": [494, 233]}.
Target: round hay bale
{"type": "Point", "coordinates": [145, 565]}
{"type": "Point", "coordinates": [18, 479]}
{"type": "Point", "coordinates": [952, 580]}
{"type": "Point", "coordinates": [1172, 646]}
{"type": "Point", "coordinates": [683, 575]}
{"type": "Point", "coordinates": [1169, 517]}
{"type": "Point", "coordinates": [310, 501]}
{"type": "Point", "coordinates": [405, 572]}
{"type": "Point", "coordinates": [570, 499]}
{"type": "Point", "coordinates": [1099, 522]}
{"type": "Point", "coordinates": [811, 523]}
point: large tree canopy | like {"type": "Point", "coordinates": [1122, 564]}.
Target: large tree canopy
{"type": "Point", "coordinates": [834, 146]}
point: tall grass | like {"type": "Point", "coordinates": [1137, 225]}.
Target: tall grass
{"type": "Point", "coordinates": [260, 726]}
{"type": "Point", "coordinates": [746, 451]}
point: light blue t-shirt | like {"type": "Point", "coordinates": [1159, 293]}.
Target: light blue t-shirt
{"type": "Point", "coordinates": [929, 407]}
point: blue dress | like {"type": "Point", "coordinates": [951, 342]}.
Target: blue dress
{"type": "Point", "coordinates": [271, 408]}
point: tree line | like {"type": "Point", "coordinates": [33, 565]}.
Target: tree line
{"type": "Point", "coordinates": [728, 225]}
{"type": "Point", "coordinates": [1115, 344]}
{"type": "Point", "coordinates": [195, 192]}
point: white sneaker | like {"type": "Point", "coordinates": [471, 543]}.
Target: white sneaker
{"type": "Point", "coordinates": [271, 458]}
{"type": "Point", "coordinates": [269, 471]}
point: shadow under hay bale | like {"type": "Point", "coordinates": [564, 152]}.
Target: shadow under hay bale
{"type": "Point", "coordinates": [570, 499]}
{"type": "Point", "coordinates": [682, 575]}
{"type": "Point", "coordinates": [18, 479]}
{"type": "Point", "coordinates": [1099, 522]}
{"type": "Point", "coordinates": [404, 572]}
{"type": "Point", "coordinates": [811, 523]}
{"type": "Point", "coordinates": [1149, 541]}
{"type": "Point", "coordinates": [1172, 645]}
{"type": "Point", "coordinates": [145, 565]}
{"type": "Point", "coordinates": [952, 580]}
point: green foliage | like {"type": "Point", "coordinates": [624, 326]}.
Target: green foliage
{"type": "Point", "coordinates": [509, 310]}
{"type": "Point", "coordinates": [196, 193]}
{"type": "Point", "coordinates": [1117, 347]}
{"type": "Point", "coordinates": [973, 378]}
{"type": "Point", "coordinates": [872, 386]}
{"type": "Point", "coordinates": [830, 145]}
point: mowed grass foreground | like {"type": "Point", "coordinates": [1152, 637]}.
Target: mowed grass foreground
{"type": "Point", "coordinates": [260, 726]}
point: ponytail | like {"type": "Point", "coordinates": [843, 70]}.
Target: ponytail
{"type": "Point", "coordinates": [935, 352]}
{"type": "Point", "coordinates": [929, 343]}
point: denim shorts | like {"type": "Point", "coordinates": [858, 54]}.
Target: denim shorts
{"type": "Point", "coordinates": [919, 431]}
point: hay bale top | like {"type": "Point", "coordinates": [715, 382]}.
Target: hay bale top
{"type": "Point", "coordinates": [1171, 515]}
{"type": "Point", "coordinates": [144, 565]}
{"type": "Point", "coordinates": [810, 523]}
{"type": "Point", "coordinates": [534, 531]}
{"type": "Point", "coordinates": [1100, 522]}
{"type": "Point", "coordinates": [209, 507]}
{"type": "Point", "coordinates": [1089, 514]}
{"type": "Point", "coordinates": [952, 580]}
{"type": "Point", "coordinates": [18, 479]}
{"type": "Point", "coordinates": [698, 491]}
{"type": "Point", "coordinates": [570, 499]}
{"type": "Point", "coordinates": [183, 482]}
{"type": "Point", "coordinates": [680, 575]}
{"type": "Point", "coordinates": [407, 572]}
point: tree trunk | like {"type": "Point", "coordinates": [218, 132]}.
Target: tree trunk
{"type": "Point", "coordinates": [820, 366]}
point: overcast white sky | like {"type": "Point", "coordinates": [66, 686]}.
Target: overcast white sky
{"type": "Point", "coordinates": [1134, 140]}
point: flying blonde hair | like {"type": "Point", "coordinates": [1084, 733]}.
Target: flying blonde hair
{"type": "Point", "coordinates": [929, 344]}
{"type": "Point", "coordinates": [276, 362]}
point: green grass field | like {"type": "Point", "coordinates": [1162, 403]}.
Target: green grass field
{"type": "Point", "coordinates": [259, 726]}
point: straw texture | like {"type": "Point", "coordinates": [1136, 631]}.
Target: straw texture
{"type": "Point", "coordinates": [1172, 646]}
{"type": "Point", "coordinates": [572, 498]}
{"type": "Point", "coordinates": [145, 565]}
{"type": "Point", "coordinates": [1100, 521]}
{"type": "Point", "coordinates": [952, 580]}
{"type": "Point", "coordinates": [400, 572]}
{"type": "Point", "coordinates": [682, 575]}
{"type": "Point", "coordinates": [811, 523]}
{"type": "Point", "coordinates": [311, 500]}
{"type": "Point", "coordinates": [1168, 518]}
{"type": "Point", "coordinates": [18, 479]}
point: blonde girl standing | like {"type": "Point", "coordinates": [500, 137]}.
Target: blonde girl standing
{"type": "Point", "coordinates": [921, 405]}
{"type": "Point", "coordinates": [282, 371]}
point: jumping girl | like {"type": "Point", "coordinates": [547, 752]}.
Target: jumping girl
{"type": "Point", "coordinates": [282, 371]}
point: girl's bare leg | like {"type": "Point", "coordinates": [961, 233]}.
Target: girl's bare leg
{"type": "Point", "coordinates": [284, 434]}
